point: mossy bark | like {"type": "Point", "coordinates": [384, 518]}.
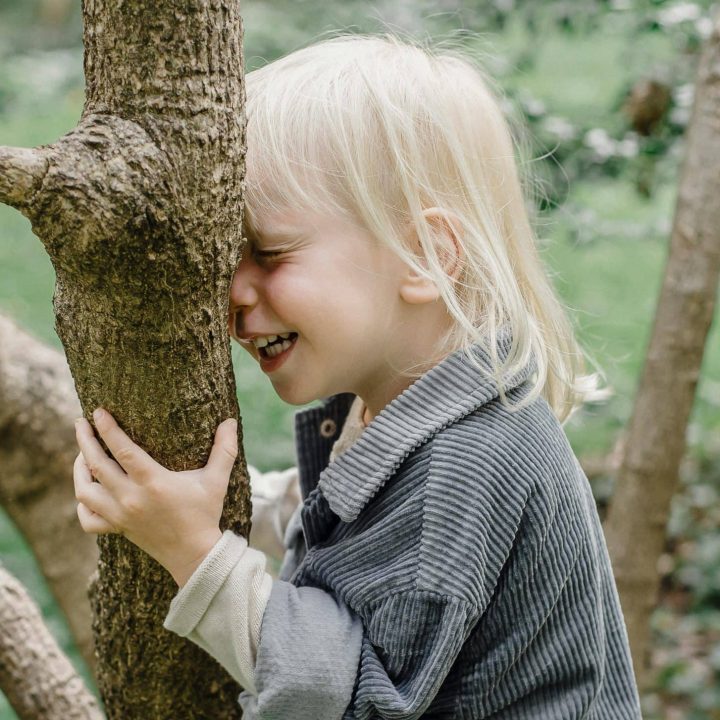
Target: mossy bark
{"type": "Point", "coordinates": [140, 210]}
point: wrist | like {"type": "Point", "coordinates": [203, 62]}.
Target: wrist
{"type": "Point", "coordinates": [183, 565]}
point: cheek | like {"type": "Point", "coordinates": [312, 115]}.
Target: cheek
{"type": "Point", "coordinates": [288, 288]}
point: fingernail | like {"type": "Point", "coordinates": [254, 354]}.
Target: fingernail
{"type": "Point", "coordinates": [233, 423]}
{"type": "Point", "coordinates": [98, 414]}
{"type": "Point", "coordinates": [78, 421]}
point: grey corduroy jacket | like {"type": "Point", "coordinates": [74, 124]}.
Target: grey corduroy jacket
{"type": "Point", "coordinates": [449, 565]}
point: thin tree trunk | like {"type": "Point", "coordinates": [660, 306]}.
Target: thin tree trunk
{"type": "Point", "coordinates": [38, 680]}
{"type": "Point", "coordinates": [37, 448]}
{"type": "Point", "coordinates": [655, 440]}
{"type": "Point", "coordinates": [139, 208]}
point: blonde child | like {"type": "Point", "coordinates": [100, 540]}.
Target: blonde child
{"type": "Point", "coordinates": [447, 559]}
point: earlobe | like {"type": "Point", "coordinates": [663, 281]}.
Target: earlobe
{"type": "Point", "coordinates": [416, 289]}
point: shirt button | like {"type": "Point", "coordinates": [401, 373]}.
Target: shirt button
{"type": "Point", "coordinates": [328, 428]}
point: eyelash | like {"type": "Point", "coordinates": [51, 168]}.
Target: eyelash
{"type": "Point", "coordinates": [267, 254]}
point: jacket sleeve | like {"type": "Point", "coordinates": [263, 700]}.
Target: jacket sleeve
{"type": "Point", "coordinates": [317, 660]}
{"type": "Point", "coordinates": [411, 641]}
{"type": "Point", "coordinates": [308, 655]}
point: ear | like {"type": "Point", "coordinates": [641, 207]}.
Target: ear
{"type": "Point", "coordinates": [416, 289]}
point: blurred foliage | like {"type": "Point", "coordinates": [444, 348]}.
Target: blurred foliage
{"type": "Point", "coordinates": [605, 88]}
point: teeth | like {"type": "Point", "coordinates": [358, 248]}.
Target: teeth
{"type": "Point", "coordinates": [277, 349]}
{"type": "Point", "coordinates": [260, 342]}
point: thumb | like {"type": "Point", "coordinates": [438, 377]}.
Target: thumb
{"type": "Point", "coordinates": [224, 450]}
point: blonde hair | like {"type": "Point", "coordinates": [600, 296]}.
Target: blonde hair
{"type": "Point", "coordinates": [379, 129]}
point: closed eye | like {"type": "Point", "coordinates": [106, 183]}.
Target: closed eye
{"type": "Point", "coordinates": [267, 255]}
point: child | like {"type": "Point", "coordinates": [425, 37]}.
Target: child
{"type": "Point", "coordinates": [447, 560]}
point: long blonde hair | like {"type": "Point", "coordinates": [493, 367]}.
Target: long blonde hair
{"type": "Point", "coordinates": [378, 129]}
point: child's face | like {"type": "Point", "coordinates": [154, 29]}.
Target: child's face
{"type": "Point", "coordinates": [327, 282]}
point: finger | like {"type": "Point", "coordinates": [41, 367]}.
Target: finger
{"type": "Point", "coordinates": [102, 467]}
{"type": "Point", "coordinates": [224, 450]}
{"type": "Point", "coordinates": [91, 494]}
{"type": "Point", "coordinates": [91, 522]}
{"type": "Point", "coordinates": [131, 457]}
{"type": "Point", "coordinates": [81, 471]}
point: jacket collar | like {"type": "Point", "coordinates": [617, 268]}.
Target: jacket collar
{"type": "Point", "coordinates": [449, 391]}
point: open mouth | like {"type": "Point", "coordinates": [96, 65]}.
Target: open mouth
{"type": "Point", "coordinates": [277, 346]}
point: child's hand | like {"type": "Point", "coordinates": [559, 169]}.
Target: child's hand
{"type": "Point", "coordinates": [173, 516]}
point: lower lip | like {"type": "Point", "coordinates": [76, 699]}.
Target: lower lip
{"type": "Point", "coordinates": [269, 365]}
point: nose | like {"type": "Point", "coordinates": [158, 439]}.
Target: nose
{"type": "Point", "coordinates": [243, 293]}
{"type": "Point", "coordinates": [243, 289]}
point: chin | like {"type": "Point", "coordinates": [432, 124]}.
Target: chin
{"type": "Point", "coordinates": [295, 398]}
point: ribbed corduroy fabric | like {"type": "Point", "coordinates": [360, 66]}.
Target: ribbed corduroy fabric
{"type": "Point", "coordinates": [450, 565]}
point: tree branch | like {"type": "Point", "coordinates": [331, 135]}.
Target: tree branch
{"type": "Point", "coordinates": [35, 675]}
{"type": "Point", "coordinates": [38, 406]}
{"type": "Point", "coordinates": [21, 173]}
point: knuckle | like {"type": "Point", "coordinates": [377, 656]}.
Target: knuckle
{"type": "Point", "coordinates": [230, 451]}
{"type": "Point", "coordinates": [124, 455]}
{"type": "Point", "coordinates": [94, 467]}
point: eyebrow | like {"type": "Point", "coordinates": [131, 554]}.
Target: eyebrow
{"type": "Point", "coordinates": [281, 234]}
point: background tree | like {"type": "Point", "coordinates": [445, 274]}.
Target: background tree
{"type": "Point", "coordinates": [139, 208]}
{"type": "Point", "coordinates": [35, 674]}
{"type": "Point", "coordinates": [655, 441]}
{"type": "Point", "coordinates": [38, 404]}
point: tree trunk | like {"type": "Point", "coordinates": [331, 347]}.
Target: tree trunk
{"type": "Point", "coordinates": [139, 208]}
{"type": "Point", "coordinates": [655, 440]}
{"type": "Point", "coordinates": [38, 680]}
{"type": "Point", "coordinates": [37, 449]}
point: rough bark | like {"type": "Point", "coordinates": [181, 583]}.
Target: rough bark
{"type": "Point", "coordinates": [37, 447]}
{"type": "Point", "coordinates": [38, 680]}
{"type": "Point", "coordinates": [655, 439]}
{"type": "Point", "coordinates": [139, 208]}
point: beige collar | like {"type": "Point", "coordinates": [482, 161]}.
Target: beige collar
{"type": "Point", "coordinates": [352, 429]}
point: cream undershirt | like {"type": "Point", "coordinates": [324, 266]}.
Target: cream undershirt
{"type": "Point", "coordinates": [221, 606]}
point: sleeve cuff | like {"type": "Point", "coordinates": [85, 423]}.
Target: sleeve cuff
{"type": "Point", "coordinates": [193, 599]}
{"type": "Point", "coordinates": [221, 607]}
